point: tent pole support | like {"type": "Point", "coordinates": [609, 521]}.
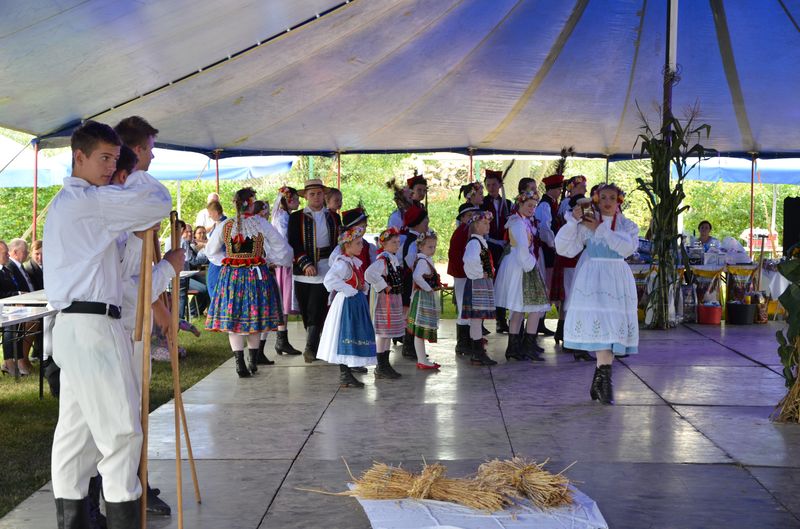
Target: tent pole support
{"type": "Point", "coordinates": [607, 163]}
{"type": "Point", "coordinates": [471, 166]}
{"type": "Point", "coordinates": [752, 199]}
{"type": "Point", "coordinates": [338, 170]}
{"type": "Point", "coordinates": [670, 62]}
{"type": "Point", "coordinates": [35, 142]}
{"type": "Point", "coordinates": [216, 162]}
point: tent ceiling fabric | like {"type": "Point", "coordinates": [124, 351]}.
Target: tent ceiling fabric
{"type": "Point", "coordinates": [404, 75]}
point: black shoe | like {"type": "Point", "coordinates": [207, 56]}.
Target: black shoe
{"type": "Point", "coordinates": [409, 350]}
{"type": "Point", "coordinates": [602, 388]}
{"type": "Point", "coordinates": [252, 360]}
{"type": "Point", "coordinates": [71, 514]}
{"type": "Point", "coordinates": [385, 369]}
{"type": "Point", "coordinates": [501, 327]}
{"type": "Point", "coordinates": [282, 345]}
{"type": "Point", "coordinates": [262, 359]}
{"type": "Point", "coordinates": [579, 355]}
{"type": "Point", "coordinates": [241, 368]}
{"type": "Point", "coordinates": [156, 505]}
{"type": "Point", "coordinates": [123, 515]}
{"type": "Point", "coordinates": [312, 340]}
{"type": "Point", "coordinates": [543, 330]}
{"type": "Point", "coordinates": [530, 349]}
{"type": "Point", "coordinates": [346, 378]}
{"type": "Point", "coordinates": [478, 357]}
{"type": "Point", "coordinates": [485, 331]}
{"type": "Point", "coordinates": [462, 340]}
{"type": "Point", "coordinates": [359, 369]}
{"type": "Point", "coordinates": [559, 335]}
{"type": "Point", "coordinates": [513, 347]}
{"type": "Point", "coordinates": [96, 518]}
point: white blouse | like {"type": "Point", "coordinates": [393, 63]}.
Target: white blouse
{"type": "Point", "coordinates": [473, 266]}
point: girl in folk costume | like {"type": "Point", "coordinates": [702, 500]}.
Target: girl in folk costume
{"type": "Point", "coordinates": [384, 274]}
{"type": "Point", "coordinates": [354, 218]}
{"type": "Point", "coordinates": [287, 201]}
{"type": "Point", "coordinates": [348, 338]}
{"type": "Point", "coordinates": [423, 316]}
{"type": "Point", "coordinates": [519, 286]}
{"type": "Point", "coordinates": [601, 315]}
{"type": "Point", "coordinates": [415, 220]}
{"type": "Point", "coordinates": [478, 303]}
{"type": "Point", "coordinates": [246, 303]}
{"type": "Point", "coordinates": [455, 268]}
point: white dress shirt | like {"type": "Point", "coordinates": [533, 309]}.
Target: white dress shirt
{"type": "Point", "coordinates": [23, 272]}
{"type": "Point", "coordinates": [323, 240]}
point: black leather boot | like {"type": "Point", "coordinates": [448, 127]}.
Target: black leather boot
{"type": "Point", "coordinates": [262, 359]}
{"type": "Point", "coordinates": [252, 360]}
{"type": "Point", "coordinates": [385, 369]}
{"type": "Point", "coordinates": [485, 331]}
{"type": "Point", "coordinates": [462, 340]}
{"type": "Point", "coordinates": [156, 505]}
{"type": "Point", "coordinates": [543, 330]}
{"type": "Point", "coordinates": [282, 345]}
{"type": "Point", "coordinates": [409, 351]}
{"type": "Point", "coordinates": [605, 388]}
{"type": "Point", "coordinates": [96, 518]}
{"type": "Point", "coordinates": [71, 514]}
{"type": "Point", "coordinates": [559, 335]}
{"type": "Point", "coordinates": [359, 369]}
{"type": "Point", "coordinates": [594, 388]}
{"type": "Point", "coordinates": [241, 368]}
{"type": "Point", "coordinates": [578, 355]}
{"type": "Point", "coordinates": [346, 378]}
{"type": "Point", "coordinates": [123, 515]}
{"type": "Point", "coordinates": [513, 347]}
{"type": "Point", "coordinates": [501, 326]}
{"type": "Point", "coordinates": [312, 340]}
{"type": "Point", "coordinates": [530, 349]}
{"type": "Point", "coordinates": [478, 356]}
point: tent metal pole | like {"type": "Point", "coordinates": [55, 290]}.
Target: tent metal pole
{"type": "Point", "coordinates": [471, 167]}
{"type": "Point", "coordinates": [216, 162]}
{"type": "Point", "coordinates": [670, 63]}
{"type": "Point", "coordinates": [338, 170]}
{"type": "Point", "coordinates": [310, 167]}
{"type": "Point", "coordinates": [752, 201]}
{"type": "Point", "coordinates": [178, 198]}
{"type": "Point", "coordinates": [607, 163]}
{"type": "Point", "coordinates": [35, 142]}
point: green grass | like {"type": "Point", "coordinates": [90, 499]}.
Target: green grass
{"type": "Point", "coordinates": [27, 424]}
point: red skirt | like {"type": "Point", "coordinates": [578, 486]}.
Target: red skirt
{"type": "Point", "coordinates": [557, 281]}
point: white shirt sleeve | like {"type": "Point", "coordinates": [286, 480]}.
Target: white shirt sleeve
{"type": "Point", "coordinates": [473, 267]}
{"type": "Point", "coordinates": [420, 270]}
{"type": "Point", "coordinates": [336, 276]}
{"type": "Point", "coordinates": [277, 248]}
{"type": "Point", "coordinates": [374, 274]}
{"type": "Point", "coordinates": [411, 255]}
{"type": "Point", "coordinates": [215, 247]}
{"type": "Point", "coordinates": [518, 235]}
{"type": "Point", "coordinates": [545, 217]}
{"type": "Point", "coordinates": [395, 220]}
{"type": "Point", "coordinates": [138, 205]}
{"type": "Point", "coordinates": [571, 237]}
{"type": "Point", "coordinates": [624, 240]}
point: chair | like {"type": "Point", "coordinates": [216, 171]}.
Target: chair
{"type": "Point", "coordinates": [192, 298]}
{"type": "Point", "coordinates": [445, 292]}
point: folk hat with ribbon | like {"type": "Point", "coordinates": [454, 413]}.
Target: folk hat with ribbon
{"type": "Point", "coordinates": [553, 181]}
{"type": "Point", "coordinates": [314, 183]}
{"type": "Point", "coordinates": [351, 217]}
{"type": "Point", "coordinates": [416, 180]}
{"type": "Point", "coordinates": [414, 215]}
{"type": "Point", "coordinates": [491, 173]}
{"type": "Point", "coordinates": [466, 207]}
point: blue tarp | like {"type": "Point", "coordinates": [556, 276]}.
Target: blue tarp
{"type": "Point", "coordinates": [739, 170]}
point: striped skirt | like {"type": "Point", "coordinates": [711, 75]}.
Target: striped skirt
{"type": "Point", "coordinates": [388, 315]}
{"type": "Point", "coordinates": [246, 301]}
{"type": "Point", "coordinates": [423, 316]}
{"type": "Point", "coordinates": [478, 303]}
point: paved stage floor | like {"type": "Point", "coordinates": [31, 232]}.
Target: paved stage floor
{"type": "Point", "coordinates": [689, 443]}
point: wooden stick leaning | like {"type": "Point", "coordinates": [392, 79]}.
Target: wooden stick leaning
{"type": "Point", "coordinates": [142, 332]}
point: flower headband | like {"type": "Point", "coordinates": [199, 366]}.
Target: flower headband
{"type": "Point", "coordinates": [351, 235]}
{"type": "Point", "coordinates": [608, 187]}
{"type": "Point", "coordinates": [469, 190]}
{"type": "Point", "coordinates": [287, 192]}
{"type": "Point", "coordinates": [575, 180]}
{"type": "Point", "coordinates": [388, 234]}
{"type": "Point", "coordinates": [430, 234]}
{"type": "Point", "coordinates": [525, 196]}
{"type": "Point", "coordinates": [482, 215]}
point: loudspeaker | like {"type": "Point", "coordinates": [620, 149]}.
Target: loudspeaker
{"type": "Point", "coordinates": [791, 221]}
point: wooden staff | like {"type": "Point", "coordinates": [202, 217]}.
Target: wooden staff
{"type": "Point", "coordinates": [142, 332]}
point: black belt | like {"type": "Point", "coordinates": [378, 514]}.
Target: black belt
{"type": "Point", "coordinates": [94, 307]}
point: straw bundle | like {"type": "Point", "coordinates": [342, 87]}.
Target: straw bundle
{"type": "Point", "coordinates": [521, 478]}
{"type": "Point", "coordinates": [788, 409]}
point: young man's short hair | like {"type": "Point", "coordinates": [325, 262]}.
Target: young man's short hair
{"type": "Point", "coordinates": [215, 206]}
{"type": "Point", "coordinates": [127, 159]}
{"type": "Point", "coordinates": [36, 245]}
{"type": "Point", "coordinates": [91, 133]}
{"type": "Point", "coordinates": [135, 131]}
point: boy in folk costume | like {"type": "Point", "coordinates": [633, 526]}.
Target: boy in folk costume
{"type": "Point", "coordinates": [500, 208]}
{"type": "Point", "coordinates": [425, 311]}
{"type": "Point", "coordinates": [313, 232]}
{"type": "Point", "coordinates": [478, 303]}
{"type": "Point", "coordinates": [419, 189]}
{"type": "Point", "coordinates": [384, 274]}
{"type": "Point", "coordinates": [546, 215]}
{"type": "Point", "coordinates": [455, 268]}
{"type": "Point", "coordinates": [355, 218]}
{"type": "Point", "coordinates": [416, 222]}
{"type": "Point", "coordinates": [99, 418]}
{"type": "Point", "coordinates": [348, 337]}
{"type": "Point", "coordinates": [601, 315]}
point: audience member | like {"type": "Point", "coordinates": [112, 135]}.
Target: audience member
{"type": "Point", "coordinates": [203, 217]}
{"type": "Point", "coordinates": [33, 266]}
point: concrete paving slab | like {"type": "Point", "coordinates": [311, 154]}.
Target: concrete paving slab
{"type": "Point", "coordinates": [630, 434]}
{"type": "Point", "coordinates": [684, 352]}
{"type": "Point", "coordinates": [783, 483]}
{"type": "Point", "coordinates": [747, 434]}
{"type": "Point", "coordinates": [713, 385]}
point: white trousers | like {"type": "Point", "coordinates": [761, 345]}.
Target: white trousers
{"type": "Point", "coordinates": [458, 286]}
{"type": "Point", "coordinates": [98, 413]}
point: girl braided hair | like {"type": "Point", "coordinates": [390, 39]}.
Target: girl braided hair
{"type": "Point", "coordinates": [242, 200]}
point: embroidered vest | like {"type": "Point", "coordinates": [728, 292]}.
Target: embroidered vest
{"type": "Point", "coordinates": [241, 251]}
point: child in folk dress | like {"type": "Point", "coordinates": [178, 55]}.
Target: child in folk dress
{"type": "Point", "coordinates": [478, 301]}
{"type": "Point", "coordinates": [602, 306]}
{"type": "Point", "coordinates": [423, 316]}
{"type": "Point", "coordinates": [385, 276]}
{"type": "Point", "coordinates": [348, 337]}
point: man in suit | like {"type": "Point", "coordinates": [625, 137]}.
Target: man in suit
{"type": "Point", "coordinates": [33, 266]}
{"type": "Point", "coordinates": [17, 254]}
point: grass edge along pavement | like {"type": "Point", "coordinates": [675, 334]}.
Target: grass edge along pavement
{"type": "Point", "coordinates": [27, 424]}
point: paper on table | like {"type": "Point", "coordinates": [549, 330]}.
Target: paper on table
{"type": "Point", "coordinates": [425, 514]}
